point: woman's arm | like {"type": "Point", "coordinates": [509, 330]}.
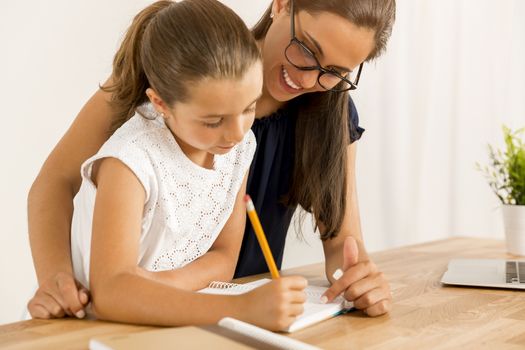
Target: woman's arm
{"type": "Point", "coordinates": [120, 293]}
{"type": "Point", "coordinates": [361, 282]}
{"type": "Point", "coordinates": [218, 263]}
{"type": "Point", "coordinates": [50, 208]}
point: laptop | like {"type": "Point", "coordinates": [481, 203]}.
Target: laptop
{"type": "Point", "coordinates": [494, 273]}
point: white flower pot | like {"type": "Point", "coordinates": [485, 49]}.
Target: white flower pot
{"type": "Point", "coordinates": [514, 222]}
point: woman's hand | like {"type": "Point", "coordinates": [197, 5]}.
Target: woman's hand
{"type": "Point", "coordinates": [361, 283]}
{"type": "Point", "coordinates": [59, 296]}
{"type": "Point", "coordinates": [276, 304]}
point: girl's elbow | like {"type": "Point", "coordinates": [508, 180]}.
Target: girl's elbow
{"type": "Point", "coordinates": [229, 270]}
{"type": "Point", "coordinates": [100, 302]}
{"type": "Point", "coordinates": [98, 310]}
{"type": "Point", "coordinates": [104, 311]}
{"type": "Point", "coordinates": [107, 304]}
{"type": "Point", "coordinates": [107, 293]}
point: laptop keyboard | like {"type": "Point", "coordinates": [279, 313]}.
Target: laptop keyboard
{"type": "Point", "coordinates": [515, 272]}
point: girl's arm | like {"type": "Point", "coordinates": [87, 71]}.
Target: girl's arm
{"type": "Point", "coordinates": [50, 208]}
{"type": "Point", "coordinates": [121, 293]}
{"type": "Point", "coordinates": [361, 282]}
{"type": "Point", "coordinates": [217, 264]}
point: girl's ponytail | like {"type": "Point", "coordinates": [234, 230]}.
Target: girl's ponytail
{"type": "Point", "coordinates": [128, 81]}
{"type": "Point", "coordinates": [172, 44]}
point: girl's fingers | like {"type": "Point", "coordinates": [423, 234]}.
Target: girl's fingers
{"type": "Point", "coordinates": [297, 297]}
{"type": "Point", "coordinates": [294, 282]}
{"type": "Point", "coordinates": [296, 310]}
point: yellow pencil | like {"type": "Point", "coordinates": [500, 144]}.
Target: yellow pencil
{"type": "Point", "coordinates": [257, 227]}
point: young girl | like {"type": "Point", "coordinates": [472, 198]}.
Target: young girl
{"type": "Point", "coordinates": [306, 127]}
{"type": "Point", "coordinates": [166, 189]}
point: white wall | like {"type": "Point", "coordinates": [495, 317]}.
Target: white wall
{"type": "Point", "coordinates": [54, 54]}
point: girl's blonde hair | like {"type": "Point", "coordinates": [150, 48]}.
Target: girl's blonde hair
{"type": "Point", "coordinates": [172, 44]}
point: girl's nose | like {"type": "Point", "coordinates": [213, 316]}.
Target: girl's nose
{"type": "Point", "coordinates": [235, 131]}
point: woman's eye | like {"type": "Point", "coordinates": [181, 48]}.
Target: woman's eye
{"type": "Point", "coordinates": [213, 125]}
{"type": "Point", "coordinates": [338, 71]}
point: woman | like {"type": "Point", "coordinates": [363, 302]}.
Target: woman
{"type": "Point", "coordinates": [313, 51]}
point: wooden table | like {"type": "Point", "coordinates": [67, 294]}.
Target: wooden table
{"type": "Point", "coordinates": [425, 314]}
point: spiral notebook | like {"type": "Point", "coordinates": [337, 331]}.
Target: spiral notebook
{"type": "Point", "coordinates": [314, 310]}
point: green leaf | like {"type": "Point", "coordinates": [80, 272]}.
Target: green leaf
{"type": "Point", "coordinates": [505, 172]}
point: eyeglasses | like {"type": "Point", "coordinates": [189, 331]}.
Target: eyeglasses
{"type": "Point", "coordinates": [302, 58]}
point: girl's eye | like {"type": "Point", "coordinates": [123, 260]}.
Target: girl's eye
{"type": "Point", "coordinates": [213, 125]}
{"type": "Point", "coordinates": [250, 110]}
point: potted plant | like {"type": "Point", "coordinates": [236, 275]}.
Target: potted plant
{"type": "Point", "coordinates": [505, 174]}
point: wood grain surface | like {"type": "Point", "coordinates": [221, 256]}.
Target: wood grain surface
{"type": "Point", "coordinates": [425, 314]}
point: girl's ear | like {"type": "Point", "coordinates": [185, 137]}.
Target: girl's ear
{"type": "Point", "coordinates": [278, 6]}
{"type": "Point", "coordinates": [157, 102]}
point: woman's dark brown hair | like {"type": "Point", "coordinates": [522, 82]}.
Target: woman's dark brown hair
{"type": "Point", "coordinates": [172, 44]}
{"type": "Point", "coordinates": [322, 130]}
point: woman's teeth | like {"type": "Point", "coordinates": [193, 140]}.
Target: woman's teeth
{"type": "Point", "coordinates": [289, 81]}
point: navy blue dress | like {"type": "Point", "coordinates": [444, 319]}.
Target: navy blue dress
{"type": "Point", "coordinates": [269, 180]}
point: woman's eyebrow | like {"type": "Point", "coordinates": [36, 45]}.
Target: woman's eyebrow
{"type": "Point", "coordinates": [312, 40]}
{"type": "Point", "coordinates": [320, 50]}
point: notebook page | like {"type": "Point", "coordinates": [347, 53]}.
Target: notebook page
{"type": "Point", "coordinates": [225, 288]}
{"type": "Point", "coordinates": [314, 310]}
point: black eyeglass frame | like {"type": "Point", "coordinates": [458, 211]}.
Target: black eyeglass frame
{"type": "Point", "coordinates": [322, 70]}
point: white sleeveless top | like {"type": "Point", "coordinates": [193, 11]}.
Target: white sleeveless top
{"type": "Point", "coordinates": [186, 205]}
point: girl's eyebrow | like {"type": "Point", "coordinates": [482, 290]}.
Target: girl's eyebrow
{"type": "Point", "coordinates": [257, 98]}
{"type": "Point", "coordinates": [320, 50]}
{"type": "Point", "coordinates": [226, 115]}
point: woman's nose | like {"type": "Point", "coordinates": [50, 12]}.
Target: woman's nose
{"type": "Point", "coordinates": [309, 78]}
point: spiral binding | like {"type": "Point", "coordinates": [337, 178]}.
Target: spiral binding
{"type": "Point", "coordinates": [225, 285]}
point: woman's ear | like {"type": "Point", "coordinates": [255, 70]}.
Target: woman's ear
{"type": "Point", "coordinates": [278, 6]}
{"type": "Point", "coordinates": [157, 102]}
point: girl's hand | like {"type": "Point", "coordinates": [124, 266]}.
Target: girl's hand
{"type": "Point", "coordinates": [361, 283]}
{"type": "Point", "coordinates": [59, 296]}
{"type": "Point", "coordinates": [275, 305]}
